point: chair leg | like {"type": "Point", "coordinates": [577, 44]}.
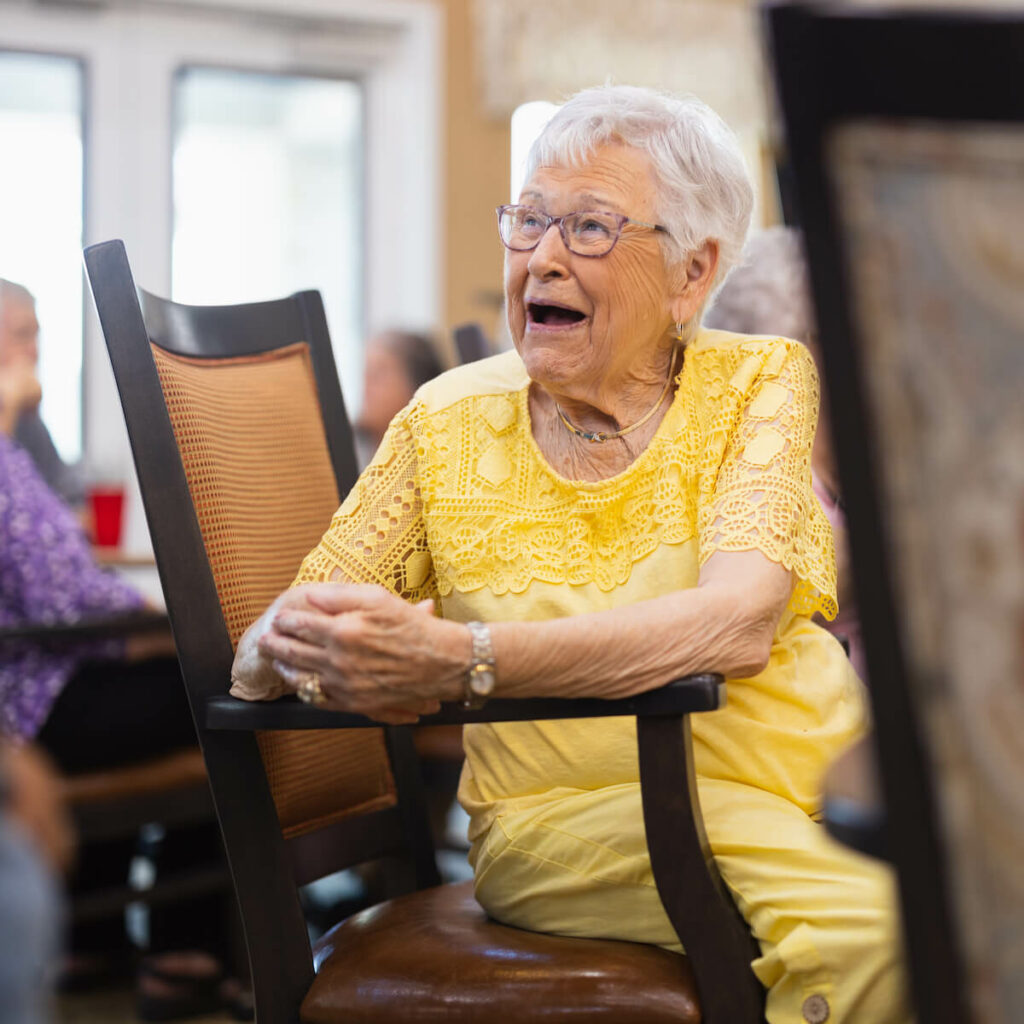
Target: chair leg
{"type": "Point", "coordinates": [713, 933]}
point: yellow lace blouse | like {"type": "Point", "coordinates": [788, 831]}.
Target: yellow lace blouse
{"type": "Point", "coordinates": [460, 504]}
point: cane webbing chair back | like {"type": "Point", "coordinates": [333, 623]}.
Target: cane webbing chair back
{"type": "Point", "coordinates": [243, 450]}
{"type": "Point", "coordinates": [255, 455]}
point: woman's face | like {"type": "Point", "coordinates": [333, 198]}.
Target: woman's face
{"type": "Point", "coordinates": [584, 325]}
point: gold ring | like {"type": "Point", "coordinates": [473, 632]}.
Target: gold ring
{"type": "Point", "coordinates": [310, 691]}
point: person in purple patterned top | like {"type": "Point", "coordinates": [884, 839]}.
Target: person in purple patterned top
{"type": "Point", "coordinates": [98, 705]}
{"type": "Point", "coordinates": [47, 575]}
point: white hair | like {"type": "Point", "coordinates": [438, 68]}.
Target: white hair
{"type": "Point", "coordinates": [11, 292]}
{"type": "Point", "coordinates": [769, 292]}
{"type": "Point", "coordinates": [703, 189]}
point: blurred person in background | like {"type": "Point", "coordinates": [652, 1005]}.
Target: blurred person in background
{"type": "Point", "coordinates": [20, 392]}
{"type": "Point", "coordinates": [397, 363]}
{"type": "Point", "coordinates": [769, 293]}
{"type": "Point", "coordinates": [35, 850]}
{"type": "Point", "coordinates": [97, 705]}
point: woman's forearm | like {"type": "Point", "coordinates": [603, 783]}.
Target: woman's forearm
{"type": "Point", "coordinates": [626, 651]}
{"type": "Point", "coordinates": [724, 625]}
{"type": "Point", "coordinates": [374, 651]}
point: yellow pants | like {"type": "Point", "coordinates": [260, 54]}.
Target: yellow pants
{"type": "Point", "coordinates": [825, 917]}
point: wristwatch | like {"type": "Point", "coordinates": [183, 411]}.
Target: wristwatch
{"type": "Point", "coordinates": [480, 678]}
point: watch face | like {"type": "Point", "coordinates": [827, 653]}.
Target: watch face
{"type": "Point", "coordinates": [481, 680]}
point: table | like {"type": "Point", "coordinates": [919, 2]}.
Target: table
{"type": "Point", "coordinates": [100, 627]}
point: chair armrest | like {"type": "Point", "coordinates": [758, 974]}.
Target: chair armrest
{"type": "Point", "coordinates": [697, 902]}
{"type": "Point", "coordinates": [681, 697]}
{"type": "Point", "coordinates": [56, 634]}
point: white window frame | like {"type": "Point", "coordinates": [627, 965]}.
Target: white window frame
{"type": "Point", "coordinates": [131, 52]}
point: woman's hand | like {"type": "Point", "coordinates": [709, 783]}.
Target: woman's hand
{"type": "Point", "coordinates": [37, 804]}
{"type": "Point", "coordinates": [253, 677]}
{"type": "Point", "coordinates": [375, 654]}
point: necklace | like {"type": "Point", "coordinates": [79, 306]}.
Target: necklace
{"type": "Point", "coordinates": [600, 436]}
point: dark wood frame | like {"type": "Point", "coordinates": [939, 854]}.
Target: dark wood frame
{"type": "Point", "coordinates": [58, 634]}
{"type": "Point", "coordinates": [266, 868]}
{"type": "Point", "coordinates": [835, 64]}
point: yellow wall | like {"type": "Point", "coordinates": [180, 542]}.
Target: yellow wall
{"type": "Point", "coordinates": [475, 179]}
{"type": "Point", "coordinates": [475, 169]}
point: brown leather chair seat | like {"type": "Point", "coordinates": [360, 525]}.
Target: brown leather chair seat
{"type": "Point", "coordinates": [434, 955]}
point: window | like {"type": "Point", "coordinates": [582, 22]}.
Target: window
{"type": "Point", "coordinates": [41, 221]}
{"type": "Point", "coordinates": [528, 121]}
{"type": "Point", "coordinates": [332, 108]}
{"type": "Point", "coordinates": [267, 183]}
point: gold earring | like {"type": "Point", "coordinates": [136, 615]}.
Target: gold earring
{"type": "Point", "coordinates": [679, 332]}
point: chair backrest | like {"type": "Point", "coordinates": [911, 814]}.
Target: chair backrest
{"type": "Point", "coordinates": [259, 473]}
{"type": "Point", "coordinates": [243, 450]}
{"type": "Point", "coordinates": [471, 343]}
{"type": "Point", "coordinates": [910, 187]}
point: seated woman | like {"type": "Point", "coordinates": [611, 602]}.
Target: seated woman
{"type": "Point", "coordinates": [623, 500]}
{"type": "Point", "coordinates": [97, 705]}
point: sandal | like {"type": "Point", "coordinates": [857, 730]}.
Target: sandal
{"type": "Point", "coordinates": [189, 995]}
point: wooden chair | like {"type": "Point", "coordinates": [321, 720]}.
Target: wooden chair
{"type": "Point", "coordinates": [470, 343]}
{"type": "Point", "coordinates": [243, 450]}
{"type": "Point", "coordinates": [905, 136]}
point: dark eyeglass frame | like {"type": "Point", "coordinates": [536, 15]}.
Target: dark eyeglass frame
{"type": "Point", "coordinates": [621, 219]}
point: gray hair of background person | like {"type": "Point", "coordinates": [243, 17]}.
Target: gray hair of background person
{"type": "Point", "coordinates": [769, 291]}
{"type": "Point", "coordinates": [417, 353]}
{"type": "Point", "coordinates": [12, 292]}
{"type": "Point", "coordinates": [703, 188]}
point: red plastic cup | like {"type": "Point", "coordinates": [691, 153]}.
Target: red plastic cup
{"type": "Point", "coordinates": [106, 503]}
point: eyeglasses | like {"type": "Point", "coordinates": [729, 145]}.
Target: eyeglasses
{"type": "Point", "coordinates": [585, 232]}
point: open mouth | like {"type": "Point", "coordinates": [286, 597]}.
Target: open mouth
{"type": "Point", "coordinates": [552, 315]}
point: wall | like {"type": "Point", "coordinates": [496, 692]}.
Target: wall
{"type": "Point", "coordinates": [474, 179]}
{"type": "Point", "coordinates": [709, 47]}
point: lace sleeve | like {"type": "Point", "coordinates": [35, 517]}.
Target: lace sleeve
{"type": "Point", "coordinates": [759, 494]}
{"type": "Point", "coordinates": [378, 534]}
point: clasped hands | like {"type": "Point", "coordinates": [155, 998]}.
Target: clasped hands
{"type": "Point", "coordinates": [375, 654]}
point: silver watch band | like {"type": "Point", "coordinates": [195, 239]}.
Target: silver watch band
{"type": "Point", "coordinates": [480, 677]}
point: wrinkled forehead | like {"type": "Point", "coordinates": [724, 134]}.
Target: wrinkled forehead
{"type": "Point", "coordinates": [611, 176]}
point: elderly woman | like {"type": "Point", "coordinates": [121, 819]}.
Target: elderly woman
{"type": "Point", "coordinates": [623, 500]}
